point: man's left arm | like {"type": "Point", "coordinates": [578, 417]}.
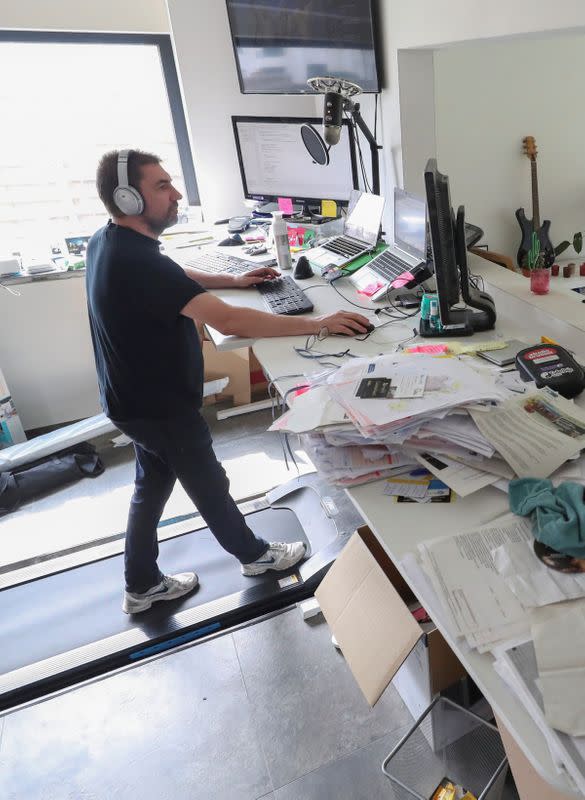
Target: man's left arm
{"type": "Point", "coordinates": [220, 280]}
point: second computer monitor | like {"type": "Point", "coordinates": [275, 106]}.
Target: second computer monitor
{"type": "Point", "coordinates": [450, 264]}
{"type": "Point", "coordinates": [410, 223]}
{"type": "Point", "coordinates": [274, 162]}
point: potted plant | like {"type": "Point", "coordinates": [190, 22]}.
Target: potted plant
{"type": "Point", "coordinates": [538, 267]}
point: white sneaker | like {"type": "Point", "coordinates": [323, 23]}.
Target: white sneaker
{"type": "Point", "coordinates": [279, 556]}
{"type": "Point", "coordinates": [170, 587]}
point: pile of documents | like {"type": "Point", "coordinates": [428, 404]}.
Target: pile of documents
{"type": "Point", "coordinates": [489, 587]}
{"type": "Point", "coordinates": [373, 418]}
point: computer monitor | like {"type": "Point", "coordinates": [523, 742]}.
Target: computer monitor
{"type": "Point", "coordinates": [449, 251]}
{"type": "Point", "coordinates": [274, 163]}
{"type": "Point", "coordinates": [280, 44]}
{"type": "Point", "coordinates": [410, 223]}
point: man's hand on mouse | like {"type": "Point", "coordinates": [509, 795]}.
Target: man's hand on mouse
{"type": "Point", "coordinates": [254, 276]}
{"type": "Point", "coordinates": [347, 323]}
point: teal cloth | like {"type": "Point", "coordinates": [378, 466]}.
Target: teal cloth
{"type": "Point", "coordinates": [558, 514]}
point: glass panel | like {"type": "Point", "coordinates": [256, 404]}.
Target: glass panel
{"type": "Point", "coordinates": [62, 108]}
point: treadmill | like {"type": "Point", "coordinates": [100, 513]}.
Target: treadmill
{"type": "Point", "coordinates": [61, 621]}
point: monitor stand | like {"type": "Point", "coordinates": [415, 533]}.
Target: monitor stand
{"type": "Point", "coordinates": [268, 208]}
{"type": "Point", "coordinates": [460, 325]}
{"type": "Point", "coordinates": [480, 314]}
{"type": "Point", "coordinates": [301, 213]}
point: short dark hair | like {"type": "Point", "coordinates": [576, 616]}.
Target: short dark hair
{"type": "Point", "coordinates": [107, 175]}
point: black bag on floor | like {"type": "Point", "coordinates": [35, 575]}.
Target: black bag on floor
{"type": "Point", "coordinates": [47, 474]}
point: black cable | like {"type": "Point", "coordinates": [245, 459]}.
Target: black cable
{"type": "Point", "coordinates": [404, 314]}
{"type": "Point", "coordinates": [347, 300]}
{"type": "Point", "coordinates": [359, 149]}
{"type": "Point", "coordinates": [362, 163]}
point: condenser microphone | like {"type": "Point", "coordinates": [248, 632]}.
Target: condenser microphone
{"type": "Point", "coordinates": [332, 117]}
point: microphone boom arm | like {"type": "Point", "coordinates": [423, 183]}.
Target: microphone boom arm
{"type": "Point", "coordinates": [354, 110]}
{"type": "Point", "coordinates": [314, 142]}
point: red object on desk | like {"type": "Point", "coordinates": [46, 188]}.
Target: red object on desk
{"type": "Point", "coordinates": [582, 269]}
{"type": "Point", "coordinates": [568, 270]}
{"type": "Point", "coordinates": [554, 270]}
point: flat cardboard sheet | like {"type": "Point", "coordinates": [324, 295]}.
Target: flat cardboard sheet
{"type": "Point", "coordinates": [367, 616]}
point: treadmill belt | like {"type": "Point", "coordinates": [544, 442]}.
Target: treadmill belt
{"type": "Point", "coordinates": [83, 605]}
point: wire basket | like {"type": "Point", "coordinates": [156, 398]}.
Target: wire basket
{"type": "Point", "coordinates": [448, 741]}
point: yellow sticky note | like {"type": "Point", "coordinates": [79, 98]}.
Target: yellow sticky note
{"type": "Point", "coordinates": [328, 208]}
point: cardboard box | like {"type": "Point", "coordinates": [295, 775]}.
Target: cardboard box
{"type": "Point", "coordinates": [364, 599]}
{"type": "Point", "coordinates": [232, 364]}
{"type": "Point", "coordinates": [258, 382]}
{"type": "Point", "coordinates": [528, 782]}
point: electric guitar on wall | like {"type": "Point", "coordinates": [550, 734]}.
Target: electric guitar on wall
{"type": "Point", "coordinates": [530, 226]}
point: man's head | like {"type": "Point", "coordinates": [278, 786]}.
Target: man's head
{"type": "Point", "coordinates": [146, 175]}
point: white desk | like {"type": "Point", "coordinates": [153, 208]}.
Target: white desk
{"type": "Point", "coordinates": [400, 528]}
{"type": "Point", "coordinates": [324, 298]}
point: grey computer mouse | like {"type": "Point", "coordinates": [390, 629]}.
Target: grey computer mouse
{"type": "Point", "coordinates": [232, 241]}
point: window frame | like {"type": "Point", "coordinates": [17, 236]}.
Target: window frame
{"type": "Point", "coordinates": [171, 79]}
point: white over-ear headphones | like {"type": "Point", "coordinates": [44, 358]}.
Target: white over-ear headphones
{"type": "Point", "coordinates": [126, 197]}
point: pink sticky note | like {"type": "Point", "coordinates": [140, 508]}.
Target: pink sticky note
{"type": "Point", "coordinates": [285, 205]}
{"type": "Point", "coordinates": [371, 289]}
{"type": "Point", "coordinates": [402, 280]}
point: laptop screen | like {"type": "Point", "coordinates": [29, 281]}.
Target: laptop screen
{"type": "Point", "coordinates": [410, 223]}
{"type": "Point", "coordinates": [364, 217]}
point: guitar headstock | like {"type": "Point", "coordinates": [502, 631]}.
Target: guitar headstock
{"type": "Point", "coordinates": [529, 147]}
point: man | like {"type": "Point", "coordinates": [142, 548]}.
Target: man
{"type": "Point", "coordinates": [148, 356]}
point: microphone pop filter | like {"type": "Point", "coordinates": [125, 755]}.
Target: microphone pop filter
{"type": "Point", "coordinates": [315, 145]}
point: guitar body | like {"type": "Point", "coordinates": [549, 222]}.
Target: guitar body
{"type": "Point", "coordinates": [530, 226]}
{"type": "Point", "coordinates": [527, 228]}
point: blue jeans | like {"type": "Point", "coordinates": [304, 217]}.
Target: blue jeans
{"type": "Point", "coordinates": [167, 449]}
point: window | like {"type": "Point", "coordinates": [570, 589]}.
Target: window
{"type": "Point", "coordinates": [66, 99]}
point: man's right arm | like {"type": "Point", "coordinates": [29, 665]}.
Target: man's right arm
{"type": "Point", "coordinates": [250, 323]}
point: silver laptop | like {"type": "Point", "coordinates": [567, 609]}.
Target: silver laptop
{"type": "Point", "coordinates": [360, 233]}
{"type": "Point", "coordinates": [407, 251]}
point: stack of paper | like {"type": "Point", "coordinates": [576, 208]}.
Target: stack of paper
{"type": "Point", "coordinates": [536, 433]}
{"type": "Point", "coordinates": [419, 388]}
{"type": "Point", "coordinates": [414, 406]}
{"type": "Point", "coordinates": [448, 415]}
{"type": "Point", "coordinates": [489, 588]}
{"type": "Point", "coordinates": [352, 464]}
{"type": "Point", "coordinates": [517, 665]}
{"type": "Point", "coordinates": [478, 600]}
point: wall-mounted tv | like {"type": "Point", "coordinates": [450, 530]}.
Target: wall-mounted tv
{"type": "Point", "coordinates": [279, 44]}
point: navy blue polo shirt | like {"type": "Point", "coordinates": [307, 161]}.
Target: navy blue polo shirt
{"type": "Point", "coordinates": [148, 356]}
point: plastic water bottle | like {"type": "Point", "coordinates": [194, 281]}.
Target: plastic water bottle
{"type": "Point", "coordinates": [280, 238]}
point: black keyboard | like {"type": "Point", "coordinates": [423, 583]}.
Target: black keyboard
{"type": "Point", "coordinates": [283, 296]}
{"type": "Point", "coordinates": [216, 262]}
{"type": "Point", "coordinates": [388, 266]}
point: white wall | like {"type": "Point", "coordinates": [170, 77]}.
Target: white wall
{"type": "Point", "coordinates": [212, 95]}
{"type": "Point", "coordinates": [488, 97]}
{"type": "Point", "coordinates": [434, 23]}
{"type": "Point", "coordinates": [130, 16]}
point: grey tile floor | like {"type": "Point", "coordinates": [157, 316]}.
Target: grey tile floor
{"type": "Point", "coordinates": [268, 711]}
